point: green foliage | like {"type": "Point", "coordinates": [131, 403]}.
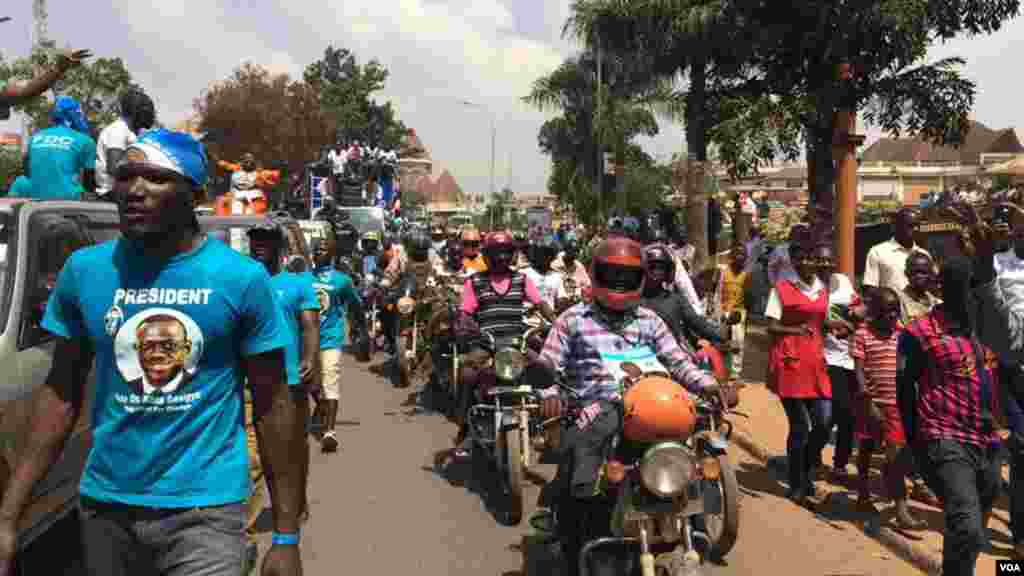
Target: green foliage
{"type": "Point", "coordinates": [346, 89]}
{"type": "Point", "coordinates": [97, 84]}
{"type": "Point", "coordinates": [875, 211]}
{"type": "Point", "coordinates": [629, 99]}
{"type": "Point", "coordinates": [10, 167]}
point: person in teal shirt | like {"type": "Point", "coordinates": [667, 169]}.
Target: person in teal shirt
{"type": "Point", "coordinates": [299, 308]}
{"type": "Point", "coordinates": [62, 158]}
{"type": "Point", "coordinates": [295, 298]}
{"type": "Point", "coordinates": [171, 324]}
{"type": "Point", "coordinates": [20, 188]}
{"type": "Point", "coordinates": [336, 292]}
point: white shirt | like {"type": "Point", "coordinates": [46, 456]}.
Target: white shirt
{"type": "Point", "coordinates": [774, 308]}
{"type": "Point", "coordinates": [1010, 278]}
{"type": "Point", "coordinates": [116, 136]}
{"type": "Point", "coordinates": [551, 286]}
{"type": "Point", "coordinates": [837, 352]}
{"type": "Point", "coordinates": [886, 265]}
{"type": "Point", "coordinates": [337, 160]}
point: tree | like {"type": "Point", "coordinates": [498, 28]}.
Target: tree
{"type": "Point", "coordinates": [96, 84]}
{"type": "Point", "coordinates": [271, 116]}
{"type": "Point", "coordinates": [884, 44]}
{"type": "Point", "coordinates": [701, 41]}
{"type": "Point", "coordinates": [10, 167]}
{"type": "Point", "coordinates": [571, 138]}
{"type": "Point", "coordinates": [345, 90]}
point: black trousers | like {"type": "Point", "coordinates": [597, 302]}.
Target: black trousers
{"type": "Point", "coordinates": [1016, 452]}
{"type": "Point", "coordinates": [966, 477]}
{"type": "Point", "coordinates": [582, 515]}
{"type": "Point", "coordinates": [843, 386]}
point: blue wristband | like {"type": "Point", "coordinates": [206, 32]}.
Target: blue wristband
{"type": "Point", "coordinates": [279, 539]}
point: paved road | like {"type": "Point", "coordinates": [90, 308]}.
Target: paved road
{"type": "Point", "coordinates": [378, 507]}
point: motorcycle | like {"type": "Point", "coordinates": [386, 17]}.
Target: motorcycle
{"type": "Point", "coordinates": [446, 348]}
{"type": "Point", "coordinates": [666, 490]}
{"type": "Point", "coordinates": [503, 428]}
{"type": "Point", "coordinates": [412, 312]}
{"type": "Point", "coordinates": [372, 296]}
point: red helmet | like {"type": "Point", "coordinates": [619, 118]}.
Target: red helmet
{"type": "Point", "coordinates": [618, 269]}
{"type": "Point", "coordinates": [499, 250]}
{"type": "Point", "coordinates": [498, 240]}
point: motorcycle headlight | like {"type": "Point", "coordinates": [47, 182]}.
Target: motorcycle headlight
{"type": "Point", "coordinates": [406, 305]}
{"type": "Point", "coordinates": [666, 469]}
{"type": "Point", "coordinates": [509, 363]}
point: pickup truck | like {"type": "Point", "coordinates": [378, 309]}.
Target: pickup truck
{"type": "Point", "coordinates": [36, 238]}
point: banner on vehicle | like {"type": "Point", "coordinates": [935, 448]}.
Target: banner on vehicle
{"type": "Point", "coordinates": [317, 193]}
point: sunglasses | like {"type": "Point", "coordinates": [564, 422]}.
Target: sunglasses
{"type": "Point", "coordinates": [471, 244]}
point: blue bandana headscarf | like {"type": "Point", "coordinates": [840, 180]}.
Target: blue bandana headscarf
{"type": "Point", "coordinates": [67, 112]}
{"type": "Point", "coordinates": [175, 151]}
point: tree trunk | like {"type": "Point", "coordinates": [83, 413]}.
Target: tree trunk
{"type": "Point", "coordinates": [620, 176]}
{"type": "Point", "coordinates": [697, 155]}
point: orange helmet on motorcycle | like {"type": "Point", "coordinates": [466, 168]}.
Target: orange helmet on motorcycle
{"type": "Point", "coordinates": [470, 242]}
{"type": "Point", "coordinates": [656, 408]}
{"type": "Point", "coordinates": [617, 272]}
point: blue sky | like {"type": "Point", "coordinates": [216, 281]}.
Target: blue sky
{"type": "Point", "coordinates": [485, 51]}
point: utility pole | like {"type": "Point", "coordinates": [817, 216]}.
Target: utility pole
{"type": "Point", "coordinates": [38, 38]}
{"type": "Point", "coordinates": [599, 183]}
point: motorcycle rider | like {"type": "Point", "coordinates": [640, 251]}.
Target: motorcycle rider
{"type": "Point", "coordinates": [369, 248]}
{"type": "Point", "coordinates": [674, 309]}
{"type": "Point", "coordinates": [549, 282]}
{"type": "Point", "coordinates": [583, 345]}
{"type": "Point", "coordinates": [494, 301]}
{"type": "Point", "coordinates": [472, 258]}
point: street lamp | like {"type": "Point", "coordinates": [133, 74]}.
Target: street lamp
{"type": "Point", "coordinates": [493, 138]}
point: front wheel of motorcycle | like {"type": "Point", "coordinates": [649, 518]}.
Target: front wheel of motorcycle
{"type": "Point", "coordinates": [723, 528]}
{"type": "Point", "coordinates": [512, 442]}
{"type": "Point", "coordinates": [363, 350]}
{"type": "Point", "coordinates": [404, 365]}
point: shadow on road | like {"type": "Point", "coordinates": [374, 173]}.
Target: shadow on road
{"type": "Point", "coordinates": [539, 557]}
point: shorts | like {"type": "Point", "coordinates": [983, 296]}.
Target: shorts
{"type": "Point", "coordinates": [889, 431]}
{"type": "Point", "coordinates": [330, 369]}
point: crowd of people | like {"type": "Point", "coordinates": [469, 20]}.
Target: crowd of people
{"type": "Point", "coordinates": [921, 363]}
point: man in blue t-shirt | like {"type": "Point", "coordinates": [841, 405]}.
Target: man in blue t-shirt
{"type": "Point", "coordinates": [61, 160]}
{"type": "Point", "coordinates": [172, 321]}
{"type": "Point", "coordinates": [336, 292]}
{"type": "Point", "coordinates": [299, 307]}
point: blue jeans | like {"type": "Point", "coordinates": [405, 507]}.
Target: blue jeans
{"type": "Point", "coordinates": [119, 540]}
{"type": "Point", "coordinates": [810, 421]}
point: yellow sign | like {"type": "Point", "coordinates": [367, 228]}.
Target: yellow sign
{"type": "Point", "coordinates": [941, 227]}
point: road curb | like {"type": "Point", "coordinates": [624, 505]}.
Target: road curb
{"type": "Point", "coordinates": [922, 558]}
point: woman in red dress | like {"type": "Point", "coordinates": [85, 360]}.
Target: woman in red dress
{"type": "Point", "coordinates": [796, 311]}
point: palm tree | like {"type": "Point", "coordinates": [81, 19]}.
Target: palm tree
{"type": "Point", "coordinates": [671, 39]}
{"type": "Point", "coordinates": [576, 140]}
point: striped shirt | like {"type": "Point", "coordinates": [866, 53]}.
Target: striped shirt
{"type": "Point", "coordinates": [499, 314]}
{"type": "Point", "coordinates": [580, 336]}
{"type": "Point", "coordinates": [877, 354]}
{"type": "Point", "coordinates": [949, 384]}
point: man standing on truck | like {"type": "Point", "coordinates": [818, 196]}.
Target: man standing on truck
{"type": "Point", "coordinates": [137, 113]}
{"type": "Point", "coordinates": [165, 484]}
{"type": "Point", "coordinates": [61, 159]}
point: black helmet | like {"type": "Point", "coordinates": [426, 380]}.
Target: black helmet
{"type": "Point", "coordinates": [659, 254]}
{"type": "Point", "coordinates": [542, 253]}
{"type": "Point", "coordinates": [419, 245]}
